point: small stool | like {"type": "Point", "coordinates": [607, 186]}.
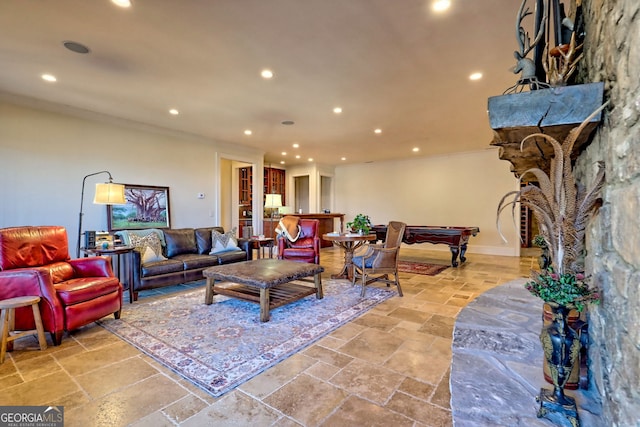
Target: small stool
{"type": "Point", "coordinates": [8, 317]}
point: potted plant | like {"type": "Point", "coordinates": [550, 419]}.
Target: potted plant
{"type": "Point", "coordinates": [562, 208]}
{"type": "Point", "coordinates": [361, 224]}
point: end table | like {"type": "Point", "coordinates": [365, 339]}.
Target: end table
{"type": "Point", "coordinates": [123, 269]}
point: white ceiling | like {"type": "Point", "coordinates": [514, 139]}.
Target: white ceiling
{"type": "Point", "coordinates": [390, 64]}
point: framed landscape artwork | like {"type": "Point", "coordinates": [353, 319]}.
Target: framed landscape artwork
{"type": "Point", "coordinates": [147, 207]}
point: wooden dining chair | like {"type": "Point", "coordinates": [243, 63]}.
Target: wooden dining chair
{"type": "Point", "coordinates": [379, 261]}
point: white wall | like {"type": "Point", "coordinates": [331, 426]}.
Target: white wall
{"type": "Point", "coordinates": [450, 190]}
{"type": "Point", "coordinates": [44, 156]}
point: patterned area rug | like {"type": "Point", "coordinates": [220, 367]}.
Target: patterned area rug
{"type": "Point", "coordinates": [220, 346]}
{"type": "Point", "coordinates": [421, 268]}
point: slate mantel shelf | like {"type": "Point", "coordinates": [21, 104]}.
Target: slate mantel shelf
{"type": "Point", "coordinates": [553, 111]}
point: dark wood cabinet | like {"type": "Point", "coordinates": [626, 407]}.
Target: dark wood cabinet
{"type": "Point", "coordinates": [274, 183]}
{"type": "Point", "coordinates": [246, 188]}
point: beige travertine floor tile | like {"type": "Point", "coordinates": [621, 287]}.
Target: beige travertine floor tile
{"type": "Point", "coordinates": [184, 408]}
{"type": "Point", "coordinates": [71, 401]}
{"type": "Point", "coordinates": [306, 399]}
{"type": "Point", "coordinates": [419, 353]}
{"type": "Point", "coordinates": [348, 331]}
{"type": "Point", "coordinates": [102, 381]}
{"type": "Point", "coordinates": [372, 345]}
{"type": "Point", "coordinates": [274, 377]}
{"type": "Point", "coordinates": [420, 364]}
{"type": "Point", "coordinates": [10, 381]}
{"type": "Point", "coordinates": [27, 348]}
{"type": "Point", "coordinates": [414, 335]}
{"type": "Point", "coordinates": [406, 325]}
{"type": "Point", "coordinates": [331, 342]}
{"type": "Point", "coordinates": [416, 409]}
{"type": "Point", "coordinates": [415, 388]}
{"type": "Point", "coordinates": [435, 297]}
{"type": "Point", "coordinates": [127, 405]}
{"type": "Point", "coordinates": [39, 391]}
{"type": "Point", "coordinates": [442, 309]}
{"type": "Point", "coordinates": [87, 361]}
{"type": "Point", "coordinates": [234, 409]}
{"type": "Point", "coordinates": [328, 356]}
{"type": "Point", "coordinates": [8, 367]}
{"type": "Point", "coordinates": [156, 419]}
{"type": "Point", "coordinates": [322, 371]}
{"type": "Point", "coordinates": [358, 412]}
{"type": "Point", "coordinates": [442, 347]}
{"type": "Point", "coordinates": [34, 368]}
{"type": "Point", "coordinates": [442, 395]}
{"type": "Point", "coordinates": [374, 320]}
{"type": "Point", "coordinates": [438, 325]}
{"type": "Point", "coordinates": [371, 382]}
{"type": "Point", "coordinates": [93, 336]}
{"type": "Point", "coordinates": [409, 315]}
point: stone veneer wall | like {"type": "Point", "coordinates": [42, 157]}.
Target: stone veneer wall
{"type": "Point", "coordinates": [612, 55]}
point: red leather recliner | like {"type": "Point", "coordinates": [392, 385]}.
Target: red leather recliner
{"type": "Point", "coordinates": [306, 248]}
{"type": "Point", "coordinates": [73, 292]}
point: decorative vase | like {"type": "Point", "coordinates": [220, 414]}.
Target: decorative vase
{"type": "Point", "coordinates": [561, 346]}
{"type": "Point", "coordinates": [576, 322]}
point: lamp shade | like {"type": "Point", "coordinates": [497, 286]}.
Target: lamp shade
{"type": "Point", "coordinates": [272, 200]}
{"type": "Point", "coordinates": [109, 194]}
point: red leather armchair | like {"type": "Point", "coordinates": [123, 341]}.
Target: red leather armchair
{"type": "Point", "coordinates": [73, 292]}
{"type": "Point", "coordinates": [306, 248]}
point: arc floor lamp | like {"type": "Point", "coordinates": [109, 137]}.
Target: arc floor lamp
{"type": "Point", "coordinates": [107, 193]}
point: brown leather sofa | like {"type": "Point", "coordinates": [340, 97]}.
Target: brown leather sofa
{"type": "Point", "coordinates": [306, 248]}
{"type": "Point", "coordinates": [187, 253]}
{"type": "Point", "coordinates": [73, 292]}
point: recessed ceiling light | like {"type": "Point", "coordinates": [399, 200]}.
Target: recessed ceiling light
{"type": "Point", "coordinates": [297, 156]}
{"type": "Point", "coordinates": [174, 112]}
{"type": "Point", "coordinates": [296, 145]}
{"type": "Point", "coordinates": [415, 149]}
{"type": "Point", "coordinates": [284, 153]}
{"type": "Point", "coordinates": [377, 131]}
{"type": "Point", "coordinates": [266, 74]}
{"type": "Point", "coordinates": [248, 132]}
{"type": "Point", "coordinates": [282, 162]}
{"type": "Point", "coordinates": [337, 110]}
{"type": "Point", "coordinates": [75, 47]}
{"type": "Point", "coordinates": [343, 158]}
{"type": "Point", "coordinates": [122, 3]}
{"type": "Point", "coordinates": [441, 5]}
{"type": "Point", "coordinates": [310, 159]}
{"type": "Point", "coordinates": [49, 77]}
{"type": "Point", "coordinates": [475, 76]}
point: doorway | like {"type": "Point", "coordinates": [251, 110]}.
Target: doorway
{"type": "Point", "coordinates": [301, 186]}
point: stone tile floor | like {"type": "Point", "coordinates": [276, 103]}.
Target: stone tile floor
{"type": "Point", "coordinates": [388, 367]}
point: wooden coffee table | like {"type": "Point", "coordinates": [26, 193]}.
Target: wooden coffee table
{"type": "Point", "coordinates": [263, 281]}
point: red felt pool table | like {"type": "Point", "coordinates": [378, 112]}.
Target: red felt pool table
{"type": "Point", "coordinates": [456, 237]}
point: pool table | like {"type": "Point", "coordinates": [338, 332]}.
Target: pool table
{"type": "Point", "coordinates": [456, 237]}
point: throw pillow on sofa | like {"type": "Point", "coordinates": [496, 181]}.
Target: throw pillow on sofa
{"type": "Point", "coordinates": [223, 242]}
{"type": "Point", "coordinates": [150, 247]}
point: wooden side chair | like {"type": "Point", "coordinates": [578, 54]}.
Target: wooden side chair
{"type": "Point", "coordinates": [379, 261]}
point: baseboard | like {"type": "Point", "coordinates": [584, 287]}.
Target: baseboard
{"type": "Point", "coordinates": [471, 249]}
